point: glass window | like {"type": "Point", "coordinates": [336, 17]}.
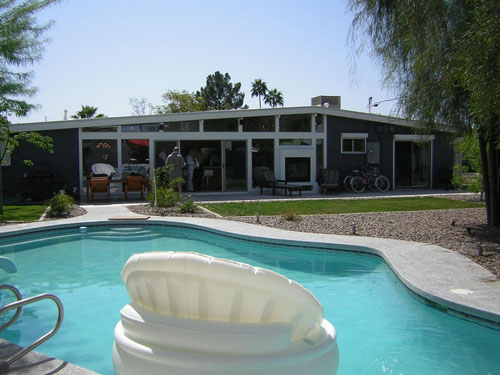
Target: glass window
{"type": "Point", "coordinates": [298, 169]}
{"type": "Point", "coordinates": [131, 128]}
{"type": "Point", "coordinates": [135, 157]}
{"type": "Point", "coordinates": [221, 125]}
{"type": "Point", "coordinates": [295, 123]}
{"type": "Point", "coordinates": [97, 151]}
{"type": "Point", "coordinates": [296, 142]}
{"type": "Point", "coordinates": [258, 124]}
{"type": "Point", "coordinates": [182, 126]}
{"type": "Point", "coordinates": [319, 158]}
{"type": "Point", "coordinates": [318, 124]}
{"type": "Point", "coordinates": [142, 127]}
{"type": "Point", "coordinates": [162, 150]}
{"type": "Point", "coordinates": [100, 129]}
{"type": "Point", "coordinates": [354, 143]}
{"type": "Point", "coordinates": [262, 154]}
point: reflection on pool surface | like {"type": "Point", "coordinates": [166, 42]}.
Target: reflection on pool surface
{"type": "Point", "coordinates": [381, 328]}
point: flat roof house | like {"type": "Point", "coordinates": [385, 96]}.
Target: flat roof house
{"type": "Point", "coordinates": [297, 143]}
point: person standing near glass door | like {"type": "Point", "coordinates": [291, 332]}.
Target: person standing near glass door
{"type": "Point", "coordinates": [176, 163]}
{"type": "Point", "coordinates": [192, 164]}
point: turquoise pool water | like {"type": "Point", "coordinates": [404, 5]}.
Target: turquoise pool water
{"type": "Point", "coordinates": [381, 327]}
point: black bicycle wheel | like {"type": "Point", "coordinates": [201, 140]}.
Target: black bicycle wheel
{"type": "Point", "coordinates": [358, 184]}
{"type": "Point", "coordinates": [371, 182]}
{"type": "Point", "coordinates": [382, 183]}
{"type": "Point", "coordinates": [347, 183]}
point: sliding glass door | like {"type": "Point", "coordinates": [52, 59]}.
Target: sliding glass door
{"type": "Point", "coordinates": [413, 164]}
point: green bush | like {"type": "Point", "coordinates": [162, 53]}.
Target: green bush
{"type": "Point", "coordinates": [290, 216]}
{"type": "Point", "coordinates": [466, 180]}
{"type": "Point", "coordinates": [60, 205]}
{"type": "Point", "coordinates": [162, 178]}
{"type": "Point", "coordinates": [166, 191]}
{"type": "Point", "coordinates": [188, 206]}
{"type": "Point", "coordinates": [165, 197]}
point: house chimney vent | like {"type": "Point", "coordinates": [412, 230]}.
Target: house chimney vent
{"type": "Point", "coordinates": [326, 101]}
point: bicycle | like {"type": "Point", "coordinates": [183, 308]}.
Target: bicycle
{"type": "Point", "coordinates": [369, 177]}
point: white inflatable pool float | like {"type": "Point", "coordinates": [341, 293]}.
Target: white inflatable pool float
{"type": "Point", "coordinates": [192, 314]}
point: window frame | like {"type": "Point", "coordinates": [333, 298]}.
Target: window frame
{"type": "Point", "coordinates": [353, 137]}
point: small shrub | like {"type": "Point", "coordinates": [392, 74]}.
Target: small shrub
{"type": "Point", "coordinates": [163, 180]}
{"type": "Point", "coordinates": [188, 207]}
{"type": "Point", "coordinates": [165, 197]}
{"type": "Point", "coordinates": [466, 180]}
{"type": "Point", "coordinates": [60, 205]}
{"type": "Point", "coordinates": [290, 216]}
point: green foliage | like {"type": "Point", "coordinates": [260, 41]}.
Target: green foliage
{"type": "Point", "coordinates": [165, 197]}
{"type": "Point", "coordinates": [60, 205]}
{"type": "Point", "coordinates": [274, 98]}
{"type": "Point", "coordinates": [259, 88]}
{"type": "Point", "coordinates": [466, 180]}
{"type": "Point", "coordinates": [20, 45]}
{"type": "Point", "coordinates": [166, 190]}
{"type": "Point", "coordinates": [220, 94]}
{"type": "Point", "coordinates": [443, 60]}
{"type": "Point", "coordinates": [290, 216]}
{"type": "Point", "coordinates": [12, 140]}
{"type": "Point", "coordinates": [469, 148]}
{"type": "Point", "coordinates": [87, 111]}
{"type": "Point", "coordinates": [187, 206]}
{"type": "Point", "coordinates": [181, 101]}
{"type": "Point", "coordinates": [337, 206]}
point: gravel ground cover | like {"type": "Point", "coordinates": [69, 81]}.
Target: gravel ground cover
{"type": "Point", "coordinates": [461, 230]}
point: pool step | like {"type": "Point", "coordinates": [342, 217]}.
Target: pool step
{"type": "Point", "coordinates": [128, 233]}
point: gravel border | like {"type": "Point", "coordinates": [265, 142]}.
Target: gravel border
{"type": "Point", "coordinates": [460, 230]}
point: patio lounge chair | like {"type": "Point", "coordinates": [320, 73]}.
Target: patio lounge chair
{"type": "Point", "coordinates": [331, 180]}
{"type": "Point", "coordinates": [99, 185]}
{"type": "Point", "coordinates": [133, 183]}
{"type": "Point", "coordinates": [271, 182]}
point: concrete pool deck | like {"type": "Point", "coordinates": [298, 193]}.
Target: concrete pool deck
{"type": "Point", "coordinates": [440, 276]}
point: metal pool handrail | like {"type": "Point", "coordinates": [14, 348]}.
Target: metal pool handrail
{"type": "Point", "coordinates": [14, 290]}
{"type": "Point", "coordinates": [5, 364]}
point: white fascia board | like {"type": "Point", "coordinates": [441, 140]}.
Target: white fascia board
{"type": "Point", "coordinates": [208, 115]}
{"type": "Point", "coordinates": [414, 137]}
{"type": "Point", "coordinates": [354, 135]}
{"type": "Point", "coordinates": [389, 120]}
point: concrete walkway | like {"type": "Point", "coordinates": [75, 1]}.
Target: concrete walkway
{"type": "Point", "coordinates": [439, 275]}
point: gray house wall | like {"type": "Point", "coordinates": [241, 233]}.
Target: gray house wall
{"type": "Point", "coordinates": [50, 172]}
{"type": "Point", "coordinates": [384, 135]}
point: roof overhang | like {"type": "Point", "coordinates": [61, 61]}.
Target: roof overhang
{"type": "Point", "coordinates": [208, 115]}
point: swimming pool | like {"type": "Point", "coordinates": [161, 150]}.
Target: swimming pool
{"type": "Point", "coordinates": [381, 327]}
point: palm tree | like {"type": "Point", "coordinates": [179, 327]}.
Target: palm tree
{"type": "Point", "coordinates": [274, 98]}
{"type": "Point", "coordinates": [87, 111]}
{"type": "Point", "coordinates": [259, 88]}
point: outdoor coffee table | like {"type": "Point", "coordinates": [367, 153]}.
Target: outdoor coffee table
{"type": "Point", "coordinates": [299, 188]}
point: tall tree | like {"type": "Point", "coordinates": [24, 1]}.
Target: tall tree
{"type": "Point", "coordinates": [219, 93]}
{"type": "Point", "coordinates": [274, 98]}
{"type": "Point", "coordinates": [141, 107]}
{"type": "Point", "coordinates": [442, 57]}
{"type": "Point", "coordinates": [87, 111]}
{"type": "Point", "coordinates": [21, 45]}
{"type": "Point", "coordinates": [259, 88]}
{"type": "Point", "coordinates": [181, 101]}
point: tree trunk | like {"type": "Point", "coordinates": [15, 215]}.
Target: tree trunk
{"type": "Point", "coordinates": [494, 199]}
{"type": "Point", "coordinates": [484, 167]}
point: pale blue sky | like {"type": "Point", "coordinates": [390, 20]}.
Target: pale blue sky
{"type": "Point", "coordinates": [103, 52]}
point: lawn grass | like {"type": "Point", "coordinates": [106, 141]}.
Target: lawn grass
{"type": "Point", "coordinates": [22, 213]}
{"type": "Point", "coordinates": [336, 206]}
